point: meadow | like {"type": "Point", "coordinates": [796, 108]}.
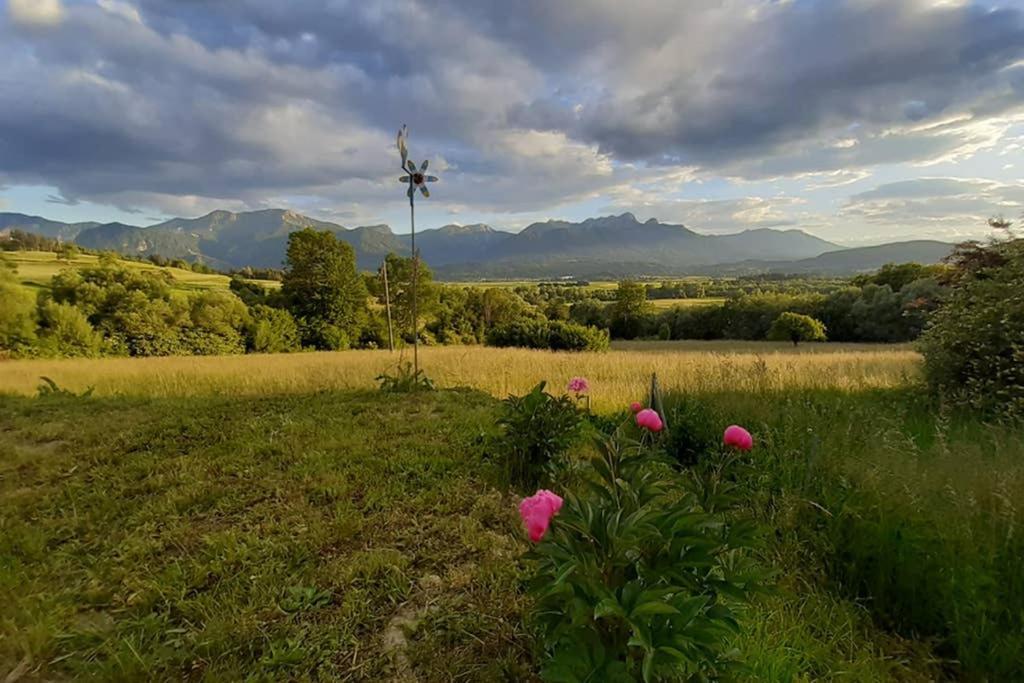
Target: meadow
{"type": "Point", "coordinates": [685, 365]}
{"type": "Point", "coordinates": [36, 269]}
{"type": "Point", "coordinates": [278, 518]}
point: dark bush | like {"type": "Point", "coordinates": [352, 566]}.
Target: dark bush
{"type": "Point", "coordinates": [540, 334]}
{"type": "Point", "coordinates": [974, 347]}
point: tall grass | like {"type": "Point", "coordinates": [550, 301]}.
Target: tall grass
{"type": "Point", "coordinates": [911, 510]}
{"type": "Point", "coordinates": [616, 377]}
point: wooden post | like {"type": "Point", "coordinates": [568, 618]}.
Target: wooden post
{"type": "Point", "coordinates": [387, 306]}
{"type": "Point", "coordinates": [656, 400]}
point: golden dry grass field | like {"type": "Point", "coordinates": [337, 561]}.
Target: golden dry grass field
{"type": "Point", "coordinates": [616, 377]}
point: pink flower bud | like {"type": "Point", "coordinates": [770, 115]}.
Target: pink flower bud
{"type": "Point", "coordinates": [636, 407]}
{"type": "Point", "coordinates": [649, 419]}
{"type": "Point", "coordinates": [738, 437]}
{"type": "Point", "coordinates": [537, 512]}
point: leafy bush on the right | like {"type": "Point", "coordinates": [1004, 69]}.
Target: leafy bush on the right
{"type": "Point", "coordinates": [974, 347]}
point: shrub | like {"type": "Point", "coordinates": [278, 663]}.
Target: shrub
{"type": "Point", "coordinates": [218, 322]}
{"type": "Point", "coordinates": [272, 330]}
{"type": "Point", "coordinates": [537, 429]}
{"type": "Point", "coordinates": [636, 580]}
{"type": "Point", "coordinates": [65, 331]}
{"type": "Point", "coordinates": [563, 336]}
{"type": "Point", "coordinates": [974, 347]}
{"type": "Point", "coordinates": [796, 327]}
{"type": "Point", "coordinates": [557, 335]}
{"type": "Point", "coordinates": [17, 313]}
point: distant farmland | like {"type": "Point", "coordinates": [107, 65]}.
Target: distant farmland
{"type": "Point", "coordinates": [37, 268]}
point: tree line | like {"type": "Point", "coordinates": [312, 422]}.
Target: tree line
{"type": "Point", "coordinates": [325, 303]}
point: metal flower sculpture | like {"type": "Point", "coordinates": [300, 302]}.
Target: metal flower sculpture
{"type": "Point", "coordinates": [415, 179]}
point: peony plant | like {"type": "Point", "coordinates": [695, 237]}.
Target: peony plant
{"type": "Point", "coordinates": [638, 576]}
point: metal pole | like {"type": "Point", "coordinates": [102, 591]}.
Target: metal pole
{"type": "Point", "coordinates": [415, 278]}
{"type": "Point", "coordinates": [387, 305]}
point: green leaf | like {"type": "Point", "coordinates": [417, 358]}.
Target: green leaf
{"type": "Point", "coordinates": [654, 607]}
{"type": "Point", "coordinates": [609, 607]}
{"type": "Point", "coordinates": [648, 667]}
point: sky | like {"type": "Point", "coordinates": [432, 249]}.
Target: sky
{"type": "Point", "coordinates": [860, 121]}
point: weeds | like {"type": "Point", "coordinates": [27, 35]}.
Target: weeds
{"type": "Point", "coordinates": [49, 389]}
{"type": "Point", "coordinates": [405, 380]}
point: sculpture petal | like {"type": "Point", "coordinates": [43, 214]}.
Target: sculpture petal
{"type": "Point", "coordinates": [403, 133]}
{"type": "Point", "coordinates": [424, 190]}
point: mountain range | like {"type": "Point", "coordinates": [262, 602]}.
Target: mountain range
{"type": "Point", "coordinates": [609, 246]}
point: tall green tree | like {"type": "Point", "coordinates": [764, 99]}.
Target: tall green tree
{"type": "Point", "coordinates": [400, 289]}
{"type": "Point", "coordinates": [796, 328]}
{"type": "Point", "coordinates": [629, 310]}
{"type": "Point", "coordinates": [323, 289]}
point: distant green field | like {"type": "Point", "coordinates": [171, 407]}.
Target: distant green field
{"type": "Point", "coordinates": [37, 268]}
{"type": "Point", "coordinates": [672, 303]}
{"type": "Point", "coordinates": [591, 284]}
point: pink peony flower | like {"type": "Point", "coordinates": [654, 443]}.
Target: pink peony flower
{"type": "Point", "coordinates": [649, 419]}
{"type": "Point", "coordinates": [738, 437]}
{"type": "Point", "coordinates": [636, 407]}
{"type": "Point", "coordinates": [579, 385]}
{"type": "Point", "coordinates": [537, 511]}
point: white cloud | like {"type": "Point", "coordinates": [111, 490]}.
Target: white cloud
{"type": "Point", "coordinates": [36, 12]}
{"type": "Point", "coordinates": [717, 215]}
{"type": "Point", "coordinates": [121, 9]}
{"type": "Point", "coordinates": [954, 206]}
{"type": "Point", "coordinates": [524, 109]}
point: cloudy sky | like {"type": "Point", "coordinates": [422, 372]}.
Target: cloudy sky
{"type": "Point", "coordinates": [857, 120]}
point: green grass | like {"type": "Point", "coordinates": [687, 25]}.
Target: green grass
{"type": "Point", "coordinates": [901, 505]}
{"type": "Point", "coordinates": [36, 269]}
{"type": "Point", "coordinates": [289, 537]}
{"type": "Point", "coordinates": [272, 539]}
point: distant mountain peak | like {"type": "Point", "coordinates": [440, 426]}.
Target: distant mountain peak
{"type": "Point", "coordinates": [625, 217]}
{"type": "Point", "coordinates": [379, 228]}
{"type": "Point", "coordinates": [610, 246]}
{"type": "Point", "coordinates": [471, 229]}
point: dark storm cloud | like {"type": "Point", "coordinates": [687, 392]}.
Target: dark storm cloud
{"type": "Point", "coordinates": [763, 83]}
{"type": "Point", "coordinates": [527, 104]}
